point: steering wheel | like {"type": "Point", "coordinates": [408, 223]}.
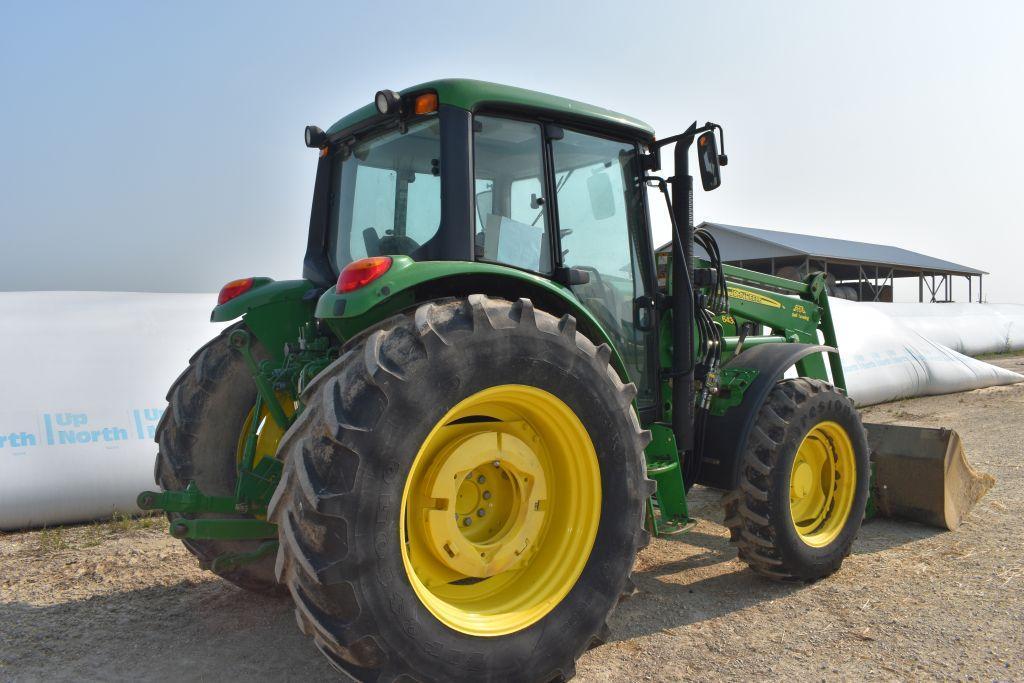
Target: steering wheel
{"type": "Point", "coordinates": [371, 240]}
{"type": "Point", "coordinates": [398, 244]}
{"type": "Point", "coordinates": [388, 244]}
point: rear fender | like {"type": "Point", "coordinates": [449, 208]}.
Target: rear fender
{"type": "Point", "coordinates": [273, 311]}
{"type": "Point", "coordinates": [727, 433]}
{"type": "Point", "coordinates": [409, 283]}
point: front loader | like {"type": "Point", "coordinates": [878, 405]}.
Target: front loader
{"type": "Point", "coordinates": [450, 438]}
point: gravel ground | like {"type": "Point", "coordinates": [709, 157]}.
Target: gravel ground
{"type": "Point", "coordinates": [123, 601]}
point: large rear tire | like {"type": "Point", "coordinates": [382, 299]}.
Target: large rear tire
{"type": "Point", "coordinates": [803, 483]}
{"type": "Point", "coordinates": [463, 496]}
{"type": "Point", "coordinates": [198, 437]}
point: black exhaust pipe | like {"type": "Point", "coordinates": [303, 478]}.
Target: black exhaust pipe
{"type": "Point", "coordinates": [683, 363]}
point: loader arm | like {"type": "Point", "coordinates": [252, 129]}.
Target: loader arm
{"type": "Point", "coordinates": [794, 312]}
{"type": "Point", "coordinates": [921, 474]}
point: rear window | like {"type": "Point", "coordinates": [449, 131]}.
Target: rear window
{"type": "Point", "coordinates": [386, 194]}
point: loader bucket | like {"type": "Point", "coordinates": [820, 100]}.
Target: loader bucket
{"type": "Point", "coordinates": [922, 474]}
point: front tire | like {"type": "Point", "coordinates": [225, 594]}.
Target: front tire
{"type": "Point", "coordinates": [803, 483]}
{"type": "Point", "coordinates": [387, 540]}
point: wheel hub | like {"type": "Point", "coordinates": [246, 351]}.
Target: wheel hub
{"type": "Point", "coordinates": [822, 484]}
{"type": "Point", "coordinates": [488, 493]}
{"type": "Point", "coordinates": [801, 484]}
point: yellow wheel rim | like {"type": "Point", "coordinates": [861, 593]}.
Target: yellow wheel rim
{"type": "Point", "coordinates": [822, 484]}
{"type": "Point", "coordinates": [268, 433]}
{"type": "Point", "coordinates": [500, 510]}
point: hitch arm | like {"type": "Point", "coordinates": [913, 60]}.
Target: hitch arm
{"type": "Point", "coordinates": [228, 529]}
{"type": "Point", "coordinates": [189, 500]}
{"type": "Point", "coordinates": [240, 339]}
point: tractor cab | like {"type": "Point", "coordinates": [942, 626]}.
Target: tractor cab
{"type": "Point", "coordinates": [533, 183]}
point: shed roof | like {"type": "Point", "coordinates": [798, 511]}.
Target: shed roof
{"type": "Point", "coordinates": [742, 243]}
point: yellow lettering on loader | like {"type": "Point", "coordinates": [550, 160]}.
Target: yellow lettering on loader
{"type": "Point", "coordinates": [753, 297]}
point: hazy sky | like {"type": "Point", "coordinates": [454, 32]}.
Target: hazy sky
{"type": "Point", "coordinates": [158, 146]}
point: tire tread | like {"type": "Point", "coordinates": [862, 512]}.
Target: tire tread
{"type": "Point", "coordinates": [305, 505]}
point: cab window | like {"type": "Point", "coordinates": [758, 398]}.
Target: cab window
{"type": "Point", "coordinates": [601, 218]}
{"type": "Point", "coordinates": [511, 220]}
{"type": "Point", "coordinates": [386, 194]}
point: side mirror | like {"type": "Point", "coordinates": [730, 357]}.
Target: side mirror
{"type": "Point", "coordinates": [707, 156]}
{"type": "Point", "coordinates": [602, 198]}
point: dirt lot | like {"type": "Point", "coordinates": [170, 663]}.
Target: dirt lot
{"type": "Point", "coordinates": [123, 601]}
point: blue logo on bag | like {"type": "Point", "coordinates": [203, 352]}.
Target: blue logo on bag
{"type": "Point", "coordinates": [74, 428]}
{"type": "Point", "coordinates": [145, 420]}
{"type": "Point", "coordinates": [17, 440]}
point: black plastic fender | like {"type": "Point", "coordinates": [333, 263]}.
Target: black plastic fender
{"type": "Point", "coordinates": [726, 435]}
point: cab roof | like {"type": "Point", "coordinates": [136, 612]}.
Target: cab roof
{"type": "Point", "coordinates": [472, 95]}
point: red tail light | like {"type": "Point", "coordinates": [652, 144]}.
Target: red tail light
{"type": "Point", "coordinates": [233, 289]}
{"type": "Point", "coordinates": [360, 273]}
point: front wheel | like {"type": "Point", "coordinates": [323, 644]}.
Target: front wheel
{"type": "Point", "coordinates": [803, 483]}
{"type": "Point", "coordinates": [462, 496]}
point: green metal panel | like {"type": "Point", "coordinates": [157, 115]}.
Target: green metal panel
{"type": "Point", "coordinates": [793, 323]}
{"type": "Point", "coordinates": [795, 319]}
{"type": "Point", "coordinates": [731, 387]}
{"type": "Point", "coordinates": [733, 273]}
{"type": "Point", "coordinates": [469, 94]}
{"type": "Point", "coordinates": [264, 291]}
{"type": "Point", "coordinates": [350, 313]}
{"type": "Point", "coordinates": [274, 311]}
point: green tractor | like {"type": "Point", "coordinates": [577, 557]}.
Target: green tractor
{"type": "Point", "coordinates": [450, 438]}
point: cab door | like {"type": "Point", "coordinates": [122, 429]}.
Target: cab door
{"type": "Point", "coordinates": [601, 219]}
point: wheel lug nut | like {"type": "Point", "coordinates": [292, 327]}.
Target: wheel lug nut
{"type": "Point", "coordinates": [496, 463]}
{"type": "Point", "coordinates": [480, 512]}
{"type": "Point", "coordinates": [487, 495]}
{"type": "Point", "coordinates": [481, 479]}
{"type": "Point", "coordinates": [467, 521]}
